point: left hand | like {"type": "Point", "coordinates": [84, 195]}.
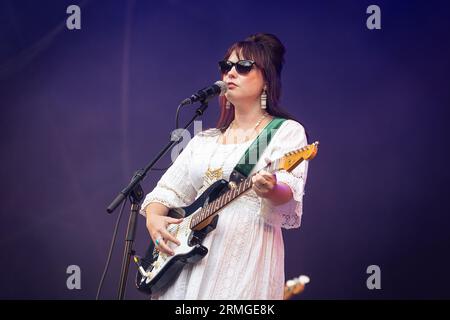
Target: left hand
{"type": "Point", "coordinates": [264, 183]}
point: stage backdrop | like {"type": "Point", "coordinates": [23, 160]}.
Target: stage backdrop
{"type": "Point", "coordinates": [82, 109]}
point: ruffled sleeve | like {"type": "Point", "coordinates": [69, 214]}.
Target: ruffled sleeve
{"type": "Point", "coordinates": [175, 188]}
{"type": "Point", "coordinates": [289, 137]}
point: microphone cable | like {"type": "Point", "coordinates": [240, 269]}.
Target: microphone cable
{"type": "Point", "coordinates": [119, 216]}
{"type": "Point", "coordinates": [111, 247]}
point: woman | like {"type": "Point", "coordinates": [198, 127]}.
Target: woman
{"type": "Point", "coordinates": [246, 251]}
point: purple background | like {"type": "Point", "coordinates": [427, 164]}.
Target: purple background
{"type": "Point", "coordinates": [82, 110]}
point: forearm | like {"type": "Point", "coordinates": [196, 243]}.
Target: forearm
{"type": "Point", "coordinates": [156, 208]}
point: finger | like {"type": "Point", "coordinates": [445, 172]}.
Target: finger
{"type": "Point", "coordinates": [269, 183]}
{"type": "Point", "coordinates": [168, 236]}
{"type": "Point", "coordinates": [258, 178]}
{"type": "Point", "coordinates": [257, 189]}
{"type": "Point", "coordinates": [266, 179]}
{"type": "Point", "coordinates": [268, 176]}
{"type": "Point", "coordinates": [160, 245]}
{"type": "Point", "coordinates": [269, 179]}
{"type": "Point", "coordinates": [261, 183]}
{"type": "Point", "coordinates": [163, 247]}
{"type": "Point", "coordinates": [264, 186]}
{"type": "Point", "coordinates": [154, 236]}
{"type": "Point", "coordinates": [174, 220]}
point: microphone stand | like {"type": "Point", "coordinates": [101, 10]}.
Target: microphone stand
{"type": "Point", "coordinates": [135, 193]}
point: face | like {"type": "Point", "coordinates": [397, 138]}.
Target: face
{"type": "Point", "coordinates": [243, 87]}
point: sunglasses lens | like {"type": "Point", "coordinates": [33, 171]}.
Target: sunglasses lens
{"type": "Point", "coordinates": [225, 66]}
{"type": "Point", "coordinates": [244, 66]}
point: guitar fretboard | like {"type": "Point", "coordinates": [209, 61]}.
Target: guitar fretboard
{"type": "Point", "coordinates": [214, 206]}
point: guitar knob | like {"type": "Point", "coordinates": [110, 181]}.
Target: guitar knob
{"type": "Point", "coordinates": [232, 185]}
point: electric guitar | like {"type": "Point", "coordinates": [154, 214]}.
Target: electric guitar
{"type": "Point", "coordinates": [156, 270]}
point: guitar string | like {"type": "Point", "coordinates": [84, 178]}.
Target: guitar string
{"type": "Point", "coordinates": [172, 227]}
{"type": "Point", "coordinates": [270, 166]}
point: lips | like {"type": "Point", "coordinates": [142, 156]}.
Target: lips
{"type": "Point", "coordinates": [231, 84]}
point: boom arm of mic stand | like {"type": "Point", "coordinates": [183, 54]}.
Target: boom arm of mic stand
{"type": "Point", "coordinates": [136, 194]}
{"type": "Point", "coordinates": [142, 173]}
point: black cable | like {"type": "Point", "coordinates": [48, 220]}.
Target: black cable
{"type": "Point", "coordinates": [113, 240]}
{"type": "Point", "coordinates": [111, 247]}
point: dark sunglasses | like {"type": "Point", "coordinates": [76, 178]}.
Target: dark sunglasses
{"type": "Point", "coordinates": [242, 66]}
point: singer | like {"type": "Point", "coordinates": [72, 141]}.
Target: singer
{"type": "Point", "coordinates": [246, 251]}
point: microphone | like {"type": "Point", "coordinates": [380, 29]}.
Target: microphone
{"type": "Point", "coordinates": [218, 88]}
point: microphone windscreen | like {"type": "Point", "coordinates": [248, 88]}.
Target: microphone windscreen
{"type": "Point", "coordinates": [223, 87]}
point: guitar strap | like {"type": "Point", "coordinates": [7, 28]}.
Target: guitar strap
{"type": "Point", "coordinates": [251, 155]}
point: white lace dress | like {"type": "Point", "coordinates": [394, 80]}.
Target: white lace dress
{"type": "Point", "coordinates": [246, 251]}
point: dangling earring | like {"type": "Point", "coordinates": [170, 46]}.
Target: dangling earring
{"type": "Point", "coordinates": [227, 105]}
{"type": "Point", "coordinates": [264, 99]}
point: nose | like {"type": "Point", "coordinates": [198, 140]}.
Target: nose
{"type": "Point", "coordinates": [232, 74]}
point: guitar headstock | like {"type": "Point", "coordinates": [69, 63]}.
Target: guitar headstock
{"type": "Point", "coordinates": [295, 286]}
{"type": "Point", "coordinates": [292, 159]}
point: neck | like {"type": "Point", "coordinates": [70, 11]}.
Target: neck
{"type": "Point", "coordinates": [246, 115]}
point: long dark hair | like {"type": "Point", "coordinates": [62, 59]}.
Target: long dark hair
{"type": "Point", "coordinates": [268, 53]}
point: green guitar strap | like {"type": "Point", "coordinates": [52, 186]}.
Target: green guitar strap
{"type": "Point", "coordinates": [251, 155]}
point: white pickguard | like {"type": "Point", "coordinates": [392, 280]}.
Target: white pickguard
{"type": "Point", "coordinates": [182, 232]}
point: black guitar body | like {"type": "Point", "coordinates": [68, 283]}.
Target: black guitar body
{"type": "Point", "coordinates": [197, 251]}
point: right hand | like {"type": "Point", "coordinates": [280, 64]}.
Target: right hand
{"type": "Point", "coordinates": [157, 227]}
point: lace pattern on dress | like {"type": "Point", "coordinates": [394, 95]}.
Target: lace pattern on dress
{"type": "Point", "coordinates": [165, 195]}
{"type": "Point", "coordinates": [212, 132]}
{"type": "Point", "coordinates": [287, 215]}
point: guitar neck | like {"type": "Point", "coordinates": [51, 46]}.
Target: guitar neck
{"type": "Point", "coordinates": [213, 207]}
{"type": "Point", "coordinates": [288, 162]}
